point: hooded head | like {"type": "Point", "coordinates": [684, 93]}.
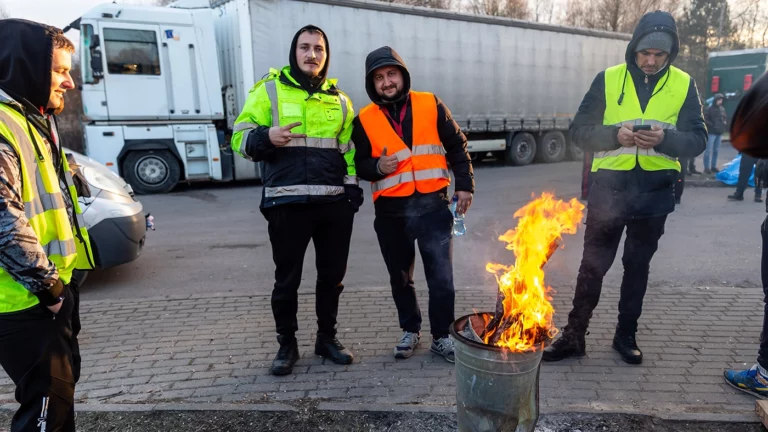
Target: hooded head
{"type": "Point", "coordinates": [35, 60]}
{"type": "Point", "coordinates": [386, 77]}
{"type": "Point", "coordinates": [310, 57]}
{"type": "Point", "coordinates": [655, 44]}
{"type": "Point", "coordinates": [719, 98]}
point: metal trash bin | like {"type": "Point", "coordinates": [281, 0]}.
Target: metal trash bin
{"type": "Point", "coordinates": [496, 390]}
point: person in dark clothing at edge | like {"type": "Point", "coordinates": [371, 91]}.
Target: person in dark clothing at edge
{"type": "Point", "coordinates": [717, 123]}
{"type": "Point", "coordinates": [44, 238]}
{"type": "Point", "coordinates": [746, 164]}
{"type": "Point", "coordinates": [405, 142]}
{"type": "Point", "coordinates": [749, 135]}
{"type": "Point", "coordinates": [299, 124]}
{"type": "Point", "coordinates": [633, 174]}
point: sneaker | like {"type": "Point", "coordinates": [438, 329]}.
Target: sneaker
{"type": "Point", "coordinates": [444, 347]}
{"type": "Point", "coordinates": [750, 381]}
{"type": "Point", "coordinates": [408, 342]}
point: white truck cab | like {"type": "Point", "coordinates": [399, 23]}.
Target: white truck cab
{"type": "Point", "coordinates": [152, 95]}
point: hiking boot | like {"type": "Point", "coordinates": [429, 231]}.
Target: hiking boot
{"type": "Point", "coordinates": [330, 347]}
{"type": "Point", "coordinates": [751, 381]}
{"type": "Point", "coordinates": [444, 347]}
{"type": "Point", "coordinates": [286, 357]}
{"type": "Point", "coordinates": [408, 342]}
{"type": "Point", "coordinates": [626, 345]}
{"type": "Point", "coordinates": [570, 344]}
{"type": "Point", "coordinates": [735, 197]}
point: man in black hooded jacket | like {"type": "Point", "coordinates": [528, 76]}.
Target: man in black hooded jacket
{"type": "Point", "coordinates": [298, 123]}
{"type": "Point", "coordinates": [38, 332]}
{"type": "Point", "coordinates": [405, 142]}
{"type": "Point", "coordinates": [633, 174]}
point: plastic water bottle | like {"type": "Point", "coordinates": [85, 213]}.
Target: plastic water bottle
{"type": "Point", "coordinates": [459, 229]}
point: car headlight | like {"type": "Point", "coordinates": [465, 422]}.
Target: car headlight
{"type": "Point", "coordinates": [106, 181]}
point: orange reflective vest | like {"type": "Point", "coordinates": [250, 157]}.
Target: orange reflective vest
{"type": "Point", "coordinates": [423, 167]}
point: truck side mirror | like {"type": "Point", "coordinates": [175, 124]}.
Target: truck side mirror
{"type": "Point", "coordinates": [97, 67]}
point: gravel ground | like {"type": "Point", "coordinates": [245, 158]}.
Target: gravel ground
{"type": "Point", "coordinates": [310, 420]}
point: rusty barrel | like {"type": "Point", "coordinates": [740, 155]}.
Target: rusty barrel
{"type": "Point", "coordinates": [496, 390]}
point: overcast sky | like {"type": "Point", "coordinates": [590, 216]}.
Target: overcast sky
{"type": "Point", "coordinates": [58, 13]}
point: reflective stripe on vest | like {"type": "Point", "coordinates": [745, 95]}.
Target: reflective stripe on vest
{"type": "Point", "coordinates": [423, 167]}
{"type": "Point", "coordinates": [45, 210]}
{"type": "Point", "coordinates": [662, 110]}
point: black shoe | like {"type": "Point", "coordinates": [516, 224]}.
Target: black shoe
{"type": "Point", "coordinates": [331, 348]}
{"type": "Point", "coordinates": [715, 170]}
{"type": "Point", "coordinates": [286, 357]}
{"type": "Point", "coordinates": [735, 197]}
{"type": "Point", "coordinates": [694, 172]}
{"type": "Point", "coordinates": [626, 345]}
{"type": "Point", "coordinates": [758, 199]}
{"type": "Point", "coordinates": [570, 344]}
{"type": "Point", "coordinates": [707, 171]}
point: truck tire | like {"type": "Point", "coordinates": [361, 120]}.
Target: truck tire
{"type": "Point", "coordinates": [575, 153]}
{"type": "Point", "coordinates": [552, 147]}
{"type": "Point", "coordinates": [152, 171]}
{"type": "Point", "coordinates": [521, 150]}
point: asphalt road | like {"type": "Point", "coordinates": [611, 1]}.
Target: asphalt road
{"type": "Point", "coordinates": [214, 239]}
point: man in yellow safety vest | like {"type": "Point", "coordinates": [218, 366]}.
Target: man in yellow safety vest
{"type": "Point", "coordinates": [638, 118]}
{"type": "Point", "coordinates": [43, 237]}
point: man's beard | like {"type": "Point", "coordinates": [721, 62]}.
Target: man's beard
{"type": "Point", "coordinates": [394, 98]}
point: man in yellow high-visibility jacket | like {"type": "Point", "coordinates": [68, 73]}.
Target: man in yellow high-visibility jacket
{"type": "Point", "coordinates": [638, 118]}
{"type": "Point", "coordinates": [43, 237]}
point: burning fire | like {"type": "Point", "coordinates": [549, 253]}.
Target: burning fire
{"type": "Point", "coordinates": [527, 318]}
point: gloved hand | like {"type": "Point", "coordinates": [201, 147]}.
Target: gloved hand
{"type": "Point", "coordinates": [354, 195]}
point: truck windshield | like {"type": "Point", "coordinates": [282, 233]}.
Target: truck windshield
{"type": "Point", "coordinates": [131, 52]}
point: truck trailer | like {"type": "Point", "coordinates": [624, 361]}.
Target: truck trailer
{"type": "Point", "coordinates": [731, 73]}
{"type": "Point", "coordinates": [162, 86]}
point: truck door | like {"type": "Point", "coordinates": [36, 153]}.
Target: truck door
{"type": "Point", "coordinates": [135, 77]}
{"type": "Point", "coordinates": [184, 92]}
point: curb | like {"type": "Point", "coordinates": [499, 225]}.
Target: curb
{"type": "Point", "coordinates": [747, 416]}
{"type": "Point", "coordinates": [706, 183]}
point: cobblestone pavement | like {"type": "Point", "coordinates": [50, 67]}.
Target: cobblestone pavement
{"type": "Point", "coordinates": [217, 348]}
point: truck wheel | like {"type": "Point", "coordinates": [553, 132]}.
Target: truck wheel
{"type": "Point", "coordinates": [551, 147]}
{"type": "Point", "coordinates": [151, 172]}
{"type": "Point", "coordinates": [575, 153]}
{"type": "Point", "coordinates": [522, 150]}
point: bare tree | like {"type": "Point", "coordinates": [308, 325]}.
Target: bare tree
{"type": "Point", "coordinates": [614, 15]}
{"type": "Point", "coordinates": [504, 8]}
{"type": "Point", "coordinates": [4, 12]}
{"type": "Point", "coordinates": [436, 4]}
{"type": "Point", "coordinates": [164, 2]}
{"type": "Point", "coordinates": [543, 10]}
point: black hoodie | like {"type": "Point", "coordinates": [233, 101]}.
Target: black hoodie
{"type": "Point", "coordinates": [450, 134]}
{"type": "Point", "coordinates": [638, 194]}
{"type": "Point", "coordinates": [310, 85]}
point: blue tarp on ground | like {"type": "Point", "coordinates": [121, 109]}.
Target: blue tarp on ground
{"type": "Point", "coordinates": [729, 174]}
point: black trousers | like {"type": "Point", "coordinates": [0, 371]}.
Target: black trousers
{"type": "Point", "coordinates": [745, 170]}
{"type": "Point", "coordinates": [433, 232]}
{"type": "Point", "coordinates": [40, 353]}
{"type": "Point", "coordinates": [762, 356]}
{"type": "Point", "coordinates": [601, 242]}
{"type": "Point", "coordinates": [291, 227]}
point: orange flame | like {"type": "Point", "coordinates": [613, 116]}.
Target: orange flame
{"type": "Point", "coordinates": [526, 297]}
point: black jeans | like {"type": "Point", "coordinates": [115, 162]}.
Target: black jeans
{"type": "Point", "coordinates": [601, 242]}
{"type": "Point", "coordinates": [745, 170]}
{"type": "Point", "coordinates": [433, 232]}
{"type": "Point", "coordinates": [762, 356]}
{"type": "Point", "coordinates": [40, 353]}
{"type": "Point", "coordinates": [291, 227]}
